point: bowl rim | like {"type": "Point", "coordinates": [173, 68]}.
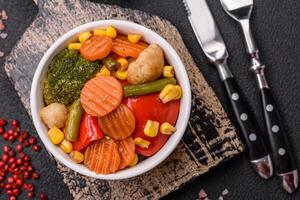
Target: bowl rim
{"type": "Point", "coordinates": [162, 154]}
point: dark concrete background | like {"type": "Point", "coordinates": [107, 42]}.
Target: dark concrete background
{"type": "Point", "coordinates": [277, 30]}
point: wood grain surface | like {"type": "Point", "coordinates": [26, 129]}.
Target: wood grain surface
{"type": "Point", "coordinates": [209, 139]}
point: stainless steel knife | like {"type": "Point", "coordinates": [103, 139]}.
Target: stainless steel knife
{"type": "Point", "coordinates": [214, 48]}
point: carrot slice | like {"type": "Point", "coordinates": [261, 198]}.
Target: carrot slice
{"type": "Point", "coordinates": [101, 95]}
{"type": "Point", "coordinates": [102, 157]}
{"type": "Point", "coordinates": [124, 48]}
{"type": "Point", "coordinates": [126, 150]}
{"type": "Point", "coordinates": [119, 124]}
{"type": "Point", "coordinates": [96, 48]}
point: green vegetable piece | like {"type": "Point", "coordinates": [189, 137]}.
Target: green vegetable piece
{"type": "Point", "coordinates": [110, 63]}
{"type": "Point", "coordinates": [67, 74]}
{"type": "Point", "coordinates": [147, 88]}
{"type": "Point", "coordinates": [73, 121]}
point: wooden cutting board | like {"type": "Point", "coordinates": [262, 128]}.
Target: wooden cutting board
{"type": "Point", "coordinates": [209, 140]}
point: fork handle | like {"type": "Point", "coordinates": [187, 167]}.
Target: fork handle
{"type": "Point", "coordinates": [247, 124]}
{"type": "Point", "coordinates": [281, 150]}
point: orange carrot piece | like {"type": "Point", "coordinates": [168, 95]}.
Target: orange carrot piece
{"type": "Point", "coordinates": [119, 124]}
{"type": "Point", "coordinates": [124, 48]}
{"type": "Point", "coordinates": [102, 157]}
{"type": "Point", "coordinates": [101, 95]}
{"type": "Point", "coordinates": [126, 150]}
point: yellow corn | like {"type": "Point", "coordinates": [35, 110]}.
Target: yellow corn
{"type": "Point", "coordinates": [74, 46]}
{"type": "Point", "coordinates": [111, 32]}
{"type": "Point", "coordinates": [103, 72]}
{"type": "Point", "coordinates": [121, 75]}
{"type": "Point", "coordinates": [66, 146]}
{"type": "Point", "coordinates": [151, 128]}
{"type": "Point", "coordinates": [84, 36]}
{"type": "Point", "coordinates": [134, 161]}
{"type": "Point", "coordinates": [167, 129]}
{"type": "Point", "coordinates": [99, 32]}
{"type": "Point", "coordinates": [168, 71]}
{"type": "Point", "coordinates": [134, 38]}
{"type": "Point", "coordinates": [56, 135]}
{"type": "Point", "coordinates": [123, 64]}
{"type": "Point", "coordinates": [141, 142]}
{"type": "Point", "coordinates": [170, 92]}
{"type": "Point", "coordinates": [77, 156]}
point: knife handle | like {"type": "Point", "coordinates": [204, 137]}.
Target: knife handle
{"type": "Point", "coordinates": [281, 150]}
{"type": "Point", "coordinates": [247, 124]}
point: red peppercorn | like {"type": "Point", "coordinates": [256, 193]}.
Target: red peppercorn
{"type": "Point", "coordinates": [26, 175]}
{"type": "Point", "coordinates": [5, 136]}
{"type": "Point", "coordinates": [36, 147]}
{"type": "Point", "coordinates": [32, 140]}
{"type": "Point", "coordinates": [35, 175]}
{"type": "Point", "coordinates": [10, 132]}
{"type": "Point", "coordinates": [3, 122]}
{"type": "Point", "coordinates": [20, 139]}
{"type": "Point", "coordinates": [27, 158]}
{"type": "Point", "coordinates": [19, 161]}
{"type": "Point", "coordinates": [19, 182]}
{"type": "Point", "coordinates": [16, 134]}
{"type": "Point", "coordinates": [1, 179]}
{"type": "Point", "coordinates": [11, 153]}
{"type": "Point", "coordinates": [2, 164]}
{"type": "Point", "coordinates": [13, 197]}
{"type": "Point", "coordinates": [30, 168]}
{"type": "Point", "coordinates": [25, 134]}
{"type": "Point", "coordinates": [43, 196]}
{"type": "Point", "coordinates": [10, 192]}
{"type": "Point", "coordinates": [26, 143]}
{"type": "Point", "coordinates": [22, 168]}
{"type": "Point", "coordinates": [19, 148]}
{"type": "Point", "coordinates": [30, 194]}
{"type": "Point", "coordinates": [1, 130]}
{"type": "Point", "coordinates": [30, 187]}
{"type": "Point", "coordinates": [11, 138]}
{"type": "Point", "coordinates": [6, 149]}
{"type": "Point", "coordinates": [16, 191]}
{"type": "Point", "coordinates": [21, 155]}
{"type": "Point", "coordinates": [26, 164]}
{"type": "Point", "coordinates": [8, 186]}
{"type": "Point", "coordinates": [11, 160]}
{"type": "Point", "coordinates": [5, 157]}
{"type": "Point", "coordinates": [15, 123]}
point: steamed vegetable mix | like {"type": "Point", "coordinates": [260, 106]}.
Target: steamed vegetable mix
{"type": "Point", "coordinates": [110, 98]}
{"type": "Point", "coordinates": [147, 88]}
{"type": "Point", "coordinates": [73, 122]}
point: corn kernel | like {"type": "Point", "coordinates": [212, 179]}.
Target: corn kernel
{"type": "Point", "coordinates": [167, 129]}
{"type": "Point", "coordinates": [77, 156]}
{"type": "Point", "coordinates": [74, 46]}
{"type": "Point", "coordinates": [151, 128]}
{"type": "Point", "coordinates": [111, 32]}
{"type": "Point", "coordinates": [99, 32]}
{"type": "Point", "coordinates": [170, 92]}
{"type": "Point", "coordinates": [66, 146]}
{"type": "Point", "coordinates": [103, 72]}
{"type": "Point", "coordinates": [141, 142]}
{"type": "Point", "coordinates": [134, 38]}
{"type": "Point", "coordinates": [179, 90]}
{"type": "Point", "coordinates": [168, 71]}
{"type": "Point", "coordinates": [123, 64]}
{"type": "Point", "coordinates": [84, 36]}
{"type": "Point", "coordinates": [121, 75]}
{"type": "Point", "coordinates": [134, 161]}
{"type": "Point", "coordinates": [56, 135]}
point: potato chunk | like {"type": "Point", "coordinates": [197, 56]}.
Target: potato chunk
{"type": "Point", "coordinates": [54, 114]}
{"type": "Point", "coordinates": [148, 66]}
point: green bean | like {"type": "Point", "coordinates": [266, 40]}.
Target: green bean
{"type": "Point", "coordinates": [110, 63]}
{"type": "Point", "coordinates": [73, 121]}
{"type": "Point", "coordinates": [147, 88]}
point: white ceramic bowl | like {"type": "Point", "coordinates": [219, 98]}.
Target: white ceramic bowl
{"type": "Point", "coordinates": [149, 36]}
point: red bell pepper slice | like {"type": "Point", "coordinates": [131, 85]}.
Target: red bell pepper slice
{"type": "Point", "coordinates": [89, 132]}
{"type": "Point", "coordinates": [149, 107]}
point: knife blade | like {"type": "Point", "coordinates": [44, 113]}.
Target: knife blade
{"type": "Point", "coordinates": [213, 46]}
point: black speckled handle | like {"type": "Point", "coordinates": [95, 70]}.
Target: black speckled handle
{"type": "Point", "coordinates": [281, 151]}
{"type": "Point", "coordinates": [248, 126]}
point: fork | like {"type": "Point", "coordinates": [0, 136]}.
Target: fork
{"type": "Point", "coordinates": [283, 158]}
